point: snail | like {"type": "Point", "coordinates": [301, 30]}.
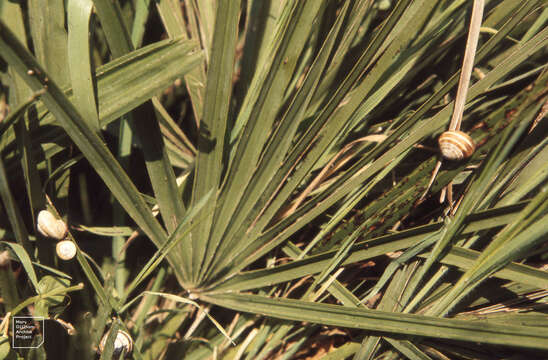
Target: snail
{"type": "Point", "coordinates": [456, 145]}
{"type": "Point", "coordinates": [123, 342]}
{"type": "Point", "coordinates": [49, 226]}
{"type": "Point", "coordinates": [66, 249]}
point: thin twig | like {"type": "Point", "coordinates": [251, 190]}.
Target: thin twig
{"type": "Point", "coordinates": [464, 80]}
{"type": "Point", "coordinates": [467, 64]}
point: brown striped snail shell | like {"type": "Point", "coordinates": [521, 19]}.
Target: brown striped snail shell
{"type": "Point", "coordinates": [123, 341]}
{"type": "Point", "coordinates": [456, 145]}
{"type": "Point", "coordinates": [49, 226]}
{"type": "Point", "coordinates": [65, 249]}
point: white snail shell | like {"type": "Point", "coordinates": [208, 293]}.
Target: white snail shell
{"type": "Point", "coordinates": [66, 249]}
{"type": "Point", "coordinates": [456, 145]}
{"type": "Point", "coordinates": [49, 226]}
{"type": "Point", "coordinates": [123, 341]}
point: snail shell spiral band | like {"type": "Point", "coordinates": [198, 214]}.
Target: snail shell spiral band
{"type": "Point", "coordinates": [456, 145]}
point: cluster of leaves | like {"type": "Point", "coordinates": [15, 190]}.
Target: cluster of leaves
{"type": "Point", "coordinates": [276, 155]}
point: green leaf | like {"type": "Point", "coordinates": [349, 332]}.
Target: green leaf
{"type": "Point", "coordinates": [25, 260]}
{"type": "Point", "coordinates": [177, 238]}
{"type": "Point", "coordinates": [256, 117]}
{"type": "Point", "coordinates": [172, 19]}
{"type": "Point", "coordinates": [48, 284]}
{"type": "Point", "coordinates": [118, 37]}
{"type": "Point", "coordinates": [142, 11]}
{"type": "Point", "coordinates": [276, 148]}
{"type": "Point", "coordinates": [404, 325]}
{"type": "Point", "coordinates": [79, 58]}
{"type": "Point", "coordinates": [527, 231]}
{"type": "Point", "coordinates": [389, 243]}
{"type": "Point", "coordinates": [130, 80]}
{"type": "Point", "coordinates": [5, 349]}
{"type": "Point", "coordinates": [14, 216]}
{"type": "Point", "coordinates": [213, 125]}
{"type": "Point", "coordinates": [47, 25]}
{"type": "Point", "coordinates": [180, 299]}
